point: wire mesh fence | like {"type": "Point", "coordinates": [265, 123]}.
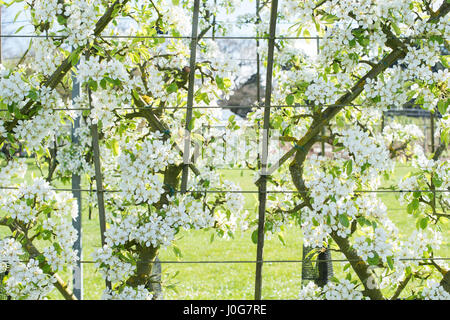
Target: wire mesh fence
{"type": "Point", "coordinates": [265, 172]}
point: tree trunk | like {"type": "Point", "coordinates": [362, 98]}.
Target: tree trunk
{"type": "Point", "coordinates": [144, 267]}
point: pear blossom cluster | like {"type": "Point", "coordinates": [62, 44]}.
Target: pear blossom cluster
{"type": "Point", "coordinates": [331, 46]}
{"type": "Point", "coordinates": [322, 92]}
{"type": "Point", "coordinates": [322, 219]}
{"type": "Point", "coordinates": [104, 102]}
{"type": "Point", "coordinates": [367, 12]}
{"type": "Point", "coordinates": [49, 98]}
{"type": "Point", "coordinates": [310, 292]}
{"type": "Point", "coordinates": [13, 169]}
{"type": "Point", "coordinates": [47, 56]}
{"type": "Point", "coordinates": [294, 9]}
{"type": "Point", "coordinates": [13, 87]}
{"type": "Point", "coordinates": [434, 291]}
{"type": "Point", "coordinates": [128, 293]}
{"type": "Point", "coordinates": [10, 251]}
{"type": "Point", "coordinates": [387, 92]}
{"type": "Point", "coordinates": [175, 17]}
{"type": "Point", "coordinates": [111, 266]}
{"type": "Point", "coordinates": [155, 229]}
{"type": "Point", "coordinates": [439, 169]}
{"type": "Point", "coordinates": [31, 203]}
{"type": "Point", "coordinates": [81, 22]}
{"type": "Point", "coordinates": [422, 28]}
{"type": "Point", "coordinates": [419, 61]}
{"type": "Point", "coordinates": [96, 69]}
{"type": "Point", "coordinates": [334, 204]}
{"type": "Point", "coordinates": [342, 290]}
{"type": "Point", "coordinates": [378, 243]}
{"type": "Point", "coordinates": [40, 131]}
{"type": "Point", "coordinates": [28, 281]}
{"type": "Point", "coordinates": [224, 66]}
{"type": "Point", "coordinates": [365, 150]}
{"type": "Point", "coordinates": [158, 230]}
{"type": "Point", "coordinates": [45, 11]}
{"type": "Point", "coordinates": [418, 244]}
{"type": "Point", "coordinates": [80, 18]}
{"type": "Point", "coordinates": [157, 87]}
{"type": "Point", "coordinates": [139, 164]}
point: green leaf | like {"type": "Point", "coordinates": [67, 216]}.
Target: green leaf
{"type": "Point", "coordinates": [93, 85]}
{"type": "Point", "coordinates": [437, 181]}
{"type": "Point", "coordinates": [177, 251]}
{"type": "Point", "coordinates": [281, 238]}
{"type": "Point", "coordinates": [74, 57]}
{"type": "Point", "coordinates": [61, 20]}
{"type": "Point", "coordinates": [423, 223]}
{"type": "Point", "coordinates": [352, 43]}
{"type": "Point", "coordinates": [191, 124]}
{"type": "Point", "coordinates": [315, 223]}
{"type": "Point", "coordinates": [290, 100]}
{"type": "Point", "coordinates": [336, 67]}
{"type": "Point", "coordinates": [442, 106]}
{"type": "Point", "coordinates": [396, 28]}
{"type": "Point", "coordinates": [375, 260]}
{"type": "Point", "coordinates": [57, 247]}
{"type": "Point", "coordinates": [33, 95]}
{"type": "Point", "coordinates": [412, 206]}
{"type": "Point", "coordinates": [220, 83]}
{"type": "Point", "coordinates": [19, 29]}
{"type": "Point", "coordinates": [390, 262]}
{"type": "Point", "coordinates": [361, 221]}
{"type": "Point", "coordinates": [365, 166]}
{"type": "Point", "coordinates": [349, 167]}
{"type": "Point", "coordinates": [343, 219]}
{"type": "Point", "coordinates": [445, 135]}
{"type": "Point", "coordinates": [103, 84]}
{"type": "Point", "coordinates": [436, 38]}
{"type": "Point", "coordinates": [135, 95]}
{"type": "Point", "coordinates": [17, 14]}
{"type": "Point", "coordinates": [255, 236]}
{"type": "Point", "coordinates": [340, 121]}
{"type": "Point", "coordinates": [115, 147]}
{"type": "Point", "coordinates": [47, 209]}
{"type": "Point", "coordinates": [172, 88]}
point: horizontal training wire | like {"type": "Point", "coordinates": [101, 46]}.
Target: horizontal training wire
{"type": "Point", "coordinates": [233, 107]}
{"type": "Point", "coordinates": [275, 261]}
{"type": "Point", "coordinates": [263, 261]}
{"type": "Point", "coordinates": [187, 37]}
{"type": "Point", "coordinates": [242, 191]}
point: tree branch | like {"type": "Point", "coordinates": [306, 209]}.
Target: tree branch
{"type": "Point", "coordinates": [401, 287]}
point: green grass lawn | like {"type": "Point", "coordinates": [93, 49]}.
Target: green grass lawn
{"type": "Point", "coordinates": [230, 281]}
